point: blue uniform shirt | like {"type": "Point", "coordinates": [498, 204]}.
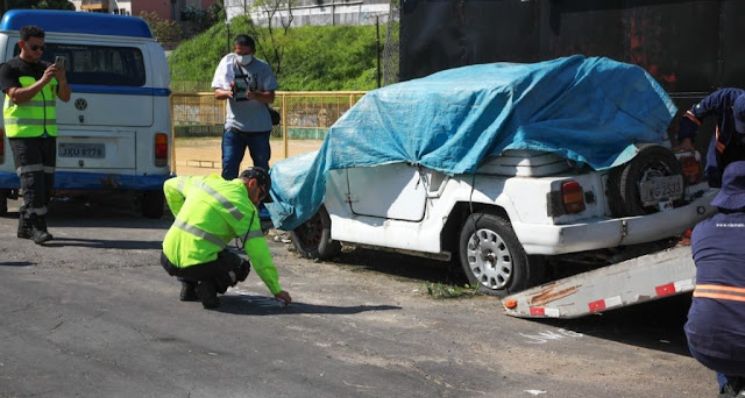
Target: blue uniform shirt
{"type": "Point", "coordinates": [717, 327]}
{"type": "Point", "coordinates": [726, 145]}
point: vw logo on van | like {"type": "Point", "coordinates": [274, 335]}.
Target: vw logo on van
{"type": "Point", "coordinates": [81, 104]}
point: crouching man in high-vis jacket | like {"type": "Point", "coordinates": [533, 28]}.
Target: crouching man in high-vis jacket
{"type": "Point", "coordinates": [210, 212]}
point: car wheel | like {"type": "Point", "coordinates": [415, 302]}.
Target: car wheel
{"type": "Point", "coordinates": [624, 199]}
{"type": "Point", "coordinates": [3, 203]}
{"type": "Point", "coordinates": [493, 258]}
{"type": "Point", "coordinates": [152, 204]}
{"type": "Point", "coordinates": [313, 240]}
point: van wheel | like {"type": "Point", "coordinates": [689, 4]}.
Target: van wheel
{"type": "Point", "coordinates": [493, 259]}
{"type": "Point", "coordinates": [624, 198]}
{"type": "Point", "coordinates": [152, 204]}
{"type": "Point", "coordinates": [3, 203]}
{"type": "Point", "coordinates": [313, 240]}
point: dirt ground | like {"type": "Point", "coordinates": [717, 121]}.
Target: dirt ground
{"type": "Point", "coordinates": [201, 156]}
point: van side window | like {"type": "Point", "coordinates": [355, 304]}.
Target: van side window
{"type": "Point", "coordinates": [98, 65]}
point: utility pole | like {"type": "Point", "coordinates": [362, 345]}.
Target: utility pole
{"type": "Point", "coordinates": [377, 48]}
{"type": "Point", "coordinates": [227, 35]}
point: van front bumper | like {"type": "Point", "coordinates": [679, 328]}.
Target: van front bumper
{"type": "Point", "coordinates": [606, 233]}
{"type": "Point", "coordinates": [94, 181]}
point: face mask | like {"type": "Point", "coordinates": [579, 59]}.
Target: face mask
{"type": "Point", "coordinates": [245, 59]}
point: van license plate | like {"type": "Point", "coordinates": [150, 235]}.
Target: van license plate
{"type": "Point", "coordinates": [92, 151]}
{"type": "Point", "coordinates": [659, 188]}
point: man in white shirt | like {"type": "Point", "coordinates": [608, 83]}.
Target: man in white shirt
{"type": "Point", "coordinates": [248, 84]}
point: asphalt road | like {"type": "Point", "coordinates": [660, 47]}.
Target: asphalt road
{"type": "Point", "coordinates": [94, 315]}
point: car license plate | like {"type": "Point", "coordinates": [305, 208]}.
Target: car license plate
{"type": "Point", "coordinates": [659, 188]}
{"type": "Point", "coordinates": [93, 151]}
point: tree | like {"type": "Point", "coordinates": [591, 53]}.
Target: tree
{"type": "Point", "coordinates": [6, 5]}
{"type": "Point", "coordinates": [166, 32]}
{"type": "Point", "coordinates": [195, 20]}
{"type": "Point", "coordinates": [271, 8]}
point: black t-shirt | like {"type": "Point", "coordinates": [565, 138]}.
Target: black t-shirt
{"type": "Point", "coordinates": [15, 68]}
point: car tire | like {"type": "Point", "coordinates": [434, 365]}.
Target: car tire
{"type": "Point", "coordinates": [3, 203]}
{"type": "Point", "coordinates": [624, 180]}
{"type": "Point", "coordinates": [152, 204]}
{"type": "Point", "coordinates": [312, 239]}
{"type": "Point", "coordinates": [493, 258]}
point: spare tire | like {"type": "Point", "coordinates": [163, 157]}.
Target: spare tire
{"type": "Point", "coordinates": [625, 182]}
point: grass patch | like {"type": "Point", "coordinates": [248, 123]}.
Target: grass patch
{"type": "Point", "coordinates": [444, 291]}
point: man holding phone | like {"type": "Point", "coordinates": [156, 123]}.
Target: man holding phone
{"type": "Point", "coordinates": [31, 87]}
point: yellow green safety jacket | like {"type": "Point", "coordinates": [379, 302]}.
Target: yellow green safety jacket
{"type": "Point", "coordinates": [210, 212]}
{"type": "Point", "coordinates": [34, 117]}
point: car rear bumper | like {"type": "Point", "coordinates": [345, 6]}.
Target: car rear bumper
{"type": "Point", "coordinates": [606, 233]}
{"type": "Point", "coordinates": [94, 181]}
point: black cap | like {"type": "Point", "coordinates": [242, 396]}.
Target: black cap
{"type": "Point", "coordinates": [262, 177]}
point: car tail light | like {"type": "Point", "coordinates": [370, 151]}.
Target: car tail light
{"type": "Point", "coordinates": [2, 146]}
{"type": "Point", "coordinates": [690, 163]}
{"type": "Point", "coordinates": [161, 149]}
{"type": "Point", "coordinates": [572, 197]}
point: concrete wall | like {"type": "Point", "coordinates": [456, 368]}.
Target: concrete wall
{"type": "Point", "coordinates": [310, 12]}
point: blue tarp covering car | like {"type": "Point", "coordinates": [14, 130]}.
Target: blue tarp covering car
{"type": "Point", "coordinates": [590, 110]}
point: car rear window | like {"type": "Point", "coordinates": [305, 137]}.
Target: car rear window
{"type": "Point", "coordinates": [99, 65]}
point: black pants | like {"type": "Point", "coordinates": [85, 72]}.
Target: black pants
{"type": "Point", "coordinates": [225, 271]}
{"type": "Point", "coordinates": [35, 159]}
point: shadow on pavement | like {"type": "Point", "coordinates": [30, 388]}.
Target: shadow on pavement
{"type": "Point", "coordinates": [654, 325]}
{"type": "Point", "coordinates": [405, 266]}
{"type": "Point", "coordinates": [106, 213]}
{"type": "Point", "coordinates": [16, 263]}
{"type": "Point", "coordinates": [261, 305]}
{"type": "Point", "coordinates": [105, 244]}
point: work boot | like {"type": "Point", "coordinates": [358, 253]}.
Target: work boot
{"type": "Point", "coordinates": [188, 291]}
{"type": "Point", "coordinates": [207, 292]}
{"type": "Point", "coordinates": [24, 228]}
{"type": "Point", "coordinates": [39, 232]}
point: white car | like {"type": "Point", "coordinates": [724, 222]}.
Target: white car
{"type": "Point", "coordinates": [503, 221]}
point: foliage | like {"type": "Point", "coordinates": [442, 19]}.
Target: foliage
{"type": "Point", "coordinates": [315, 57]}
{"type": "Point", "coordinates": [443, 291]}
{"type": "Point", "coordinates": [167, 32]}
{"type": "Point", "coordinates": [195, 20]}
{"type": "Point", "coordinates": [277, 45]}
{"type": "Point", "coordinates": [39, 4]}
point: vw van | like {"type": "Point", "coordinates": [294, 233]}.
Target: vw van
{"type": "Point", "coordinates": [115, 132]}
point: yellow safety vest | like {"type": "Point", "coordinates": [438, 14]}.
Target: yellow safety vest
{"type": "Point", "coordinates": [34, 117]}
{"type": "Point", "coordinates": [209, 212]}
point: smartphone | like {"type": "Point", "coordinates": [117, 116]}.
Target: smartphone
{"type": "Point", "coordinates": [59, 62]}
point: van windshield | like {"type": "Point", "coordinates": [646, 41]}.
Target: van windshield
{"type": "Point", "coordinates": [98, 65]}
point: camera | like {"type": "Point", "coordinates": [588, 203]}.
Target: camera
{"type": "Point", "coordinates": [243, 84]}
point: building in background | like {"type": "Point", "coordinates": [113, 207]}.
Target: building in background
{"type": "Point", "coordinates": [165, 9]}
{"type": "Point", "coordinates": [312, 12]}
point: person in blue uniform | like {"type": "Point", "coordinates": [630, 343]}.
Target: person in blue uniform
{"type": "Point", "coordinates": [716, 319]}
{"type": "Point", "coordinates": [727, 106]}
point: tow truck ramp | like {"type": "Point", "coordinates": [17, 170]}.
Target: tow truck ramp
{"type": "Point", "coordinates": [645, 278]}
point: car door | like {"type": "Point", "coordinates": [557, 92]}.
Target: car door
{"type": "Point", "coordinates": [392, 191]}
